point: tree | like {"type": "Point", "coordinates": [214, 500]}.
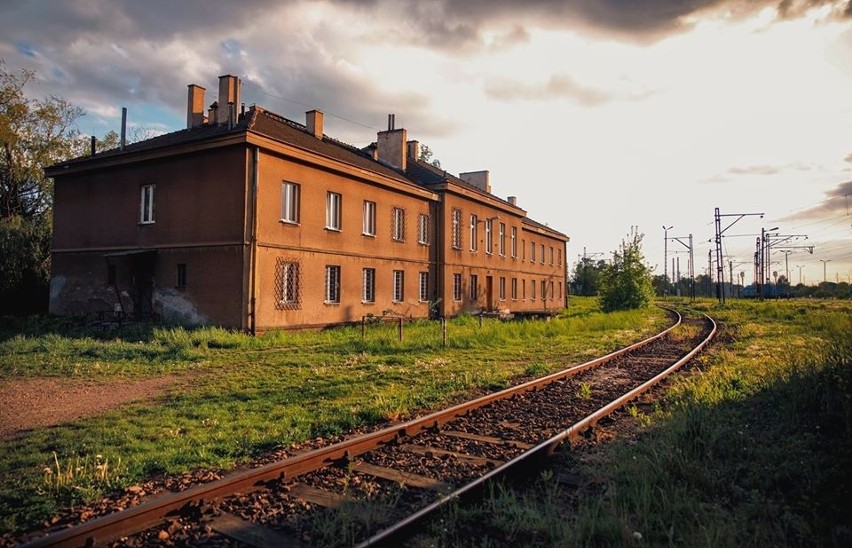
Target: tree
{"type": "Point", "coordinates": [586, 276]}
{"type": "Point", "coordinates": [33, 134]}
{"type": "Point", "coordinates": [625, 283]}
{"type": "Point", "coordinates": [426, 156]}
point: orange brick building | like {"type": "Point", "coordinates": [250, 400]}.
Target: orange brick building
{"type": "Point", "coordinates": [251, 221]}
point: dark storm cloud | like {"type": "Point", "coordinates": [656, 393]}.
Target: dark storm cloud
{"type": "Point", "coordinates": [838, 202]}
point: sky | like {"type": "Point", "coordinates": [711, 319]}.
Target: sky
{"type": "Point", "coordinates": [602, 117]}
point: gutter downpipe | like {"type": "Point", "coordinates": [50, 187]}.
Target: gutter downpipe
{"type": "Point", "coordinates": [253, 243]}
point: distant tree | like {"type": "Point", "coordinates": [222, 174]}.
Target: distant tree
{"type": "Point", "coordinates": [584, 280]}
{"type": "Point", "coordinates": [625, 283]}
{"type": "Point", "coordinates": [33, 134]}
{"type": "Point", "coordinates": [426, 156]}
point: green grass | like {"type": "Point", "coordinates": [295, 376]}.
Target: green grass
{"type": "Point", "coordinates": [242, 396]}
{"type": "Point", "coordinates": [756, 450]}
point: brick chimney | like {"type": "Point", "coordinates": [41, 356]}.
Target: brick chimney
{"type": "Point", "coordinates": [194, 106]}
{"type": "Point", "coordinates": [513, 200]}
{"type": "Point", "coordinates": [391, 144]}
{"type": "Point", "coordinates": [313, 120]}
{"type": "Point", "coordinates": [414, 149]}
{"type": "Point", "coordinates": [229, 99]}
{"type": "Point", "coordinates": [479, 179]}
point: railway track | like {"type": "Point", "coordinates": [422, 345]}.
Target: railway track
{"type": "Point", "coordinates": [380, 487]}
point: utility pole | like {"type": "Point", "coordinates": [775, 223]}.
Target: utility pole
{"type": "Point", "coordinates": [666, 255]}
{"type": "Point", "coordinates": [824, 262]}
{"type": "Point", "coordinates": [800, 266]}
{"type": "Point", "coordinates": [720, 283]}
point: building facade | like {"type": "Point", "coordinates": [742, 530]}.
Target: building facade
{"type": "Point", "coordinates": [251, 221]}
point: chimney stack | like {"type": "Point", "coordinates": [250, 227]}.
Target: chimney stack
{"type": "Point", "coordinates": [391, 145]}
{"type": "Point", "coordinates": [479, 179]}
{"type": "Point", "coordinates": [194, 106]}
{"type": "Point", "coordinates": [229, 98]}
{"type": "Point", "coordinates": [414, 149]}
{"type": "Point", "coordinates": [314, 123]}
{"type": "Point", "coordinates": [513, 200]}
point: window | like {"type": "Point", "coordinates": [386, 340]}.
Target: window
{"type": "Point", "coordinates": [369, 223]}
{"type": "Point", "coordinates": [474, 291]}
{"type": "Point", "coordinates": [287, 284]}
{"type": "Point", "coordinates": [541, 256]}
{"type": "Point", "coordinates": [551, 255]}
{"type": "Point", "coordinates": [532, 289]}
{"type": "Point", "coordinates": [424, 286]}
{"type": "Point", "coordinates": [398, 286]}
{"type": "Point", "coordinates": [559, 257]}
{"type": "Point", "coordinates": [368, 291]}
{"type": "Point", "coordinates": [524, 289]}
{"type": "Point", "coordinates": [398, 224]}
{"type": "Point", "coordinates": [523, 250]}
{"type": "Point", "coordinates": [474, 233]}
{"type": "Point", "coordinates": [332, 284]}
{"type": "Point", "coordinates": [551, 288]}
{"type": "Point", "coordinates": [489, 236]}
{"type": "Point", "coordinates": [543, 290]}
{"type": "Point", "coordinates": [146, 205]}
{"type": "Point", "coordinates": [181, 275]}
{"type": "Point", "coordinates": [290, 202]}
{"type": "Point", "coordinates": [514, 242]}
{"type": "Point", "coordinates": [532, 252]}
{"type": "Point", "coordinates": [457, 287]}
{"type": "Point", "coordinates": [514, 289]}
{"type": "Point", "coordinates": [456, 228]}
{"type": "Point", "coordinates": [502, 288]}
{"type": "Point", "coordinates": [502, 239]}
{"type": "Point", "coordinates": [332, 210]}
{"type": "Point", "coordinates": [560, 291]}
{"type": "Point", "coordinates": [423, 229]}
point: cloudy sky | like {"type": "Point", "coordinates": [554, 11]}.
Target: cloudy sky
{"type": "Point", "coordinates": [600, 116]}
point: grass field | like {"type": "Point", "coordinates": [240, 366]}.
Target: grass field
{"type": "Point", "coordinates": [248, 395]}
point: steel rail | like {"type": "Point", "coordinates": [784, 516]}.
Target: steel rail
{"type": "Point", "coordinates": [109, 527]}
{"type": "Point", "coordinates": [543, 449]}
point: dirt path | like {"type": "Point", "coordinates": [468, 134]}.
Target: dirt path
{"type": "Point", "coordinates": [34, 403]}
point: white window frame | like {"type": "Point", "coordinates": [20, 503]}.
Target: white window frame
{"type": "Point", "coordinates": [289, 290]}
{"type": "Point", "coordinates": [501, 285]}
{"type": "Point", "coordinates": [502, 239]}
{"type": "Point", "coordinates": [368, 285]}
{"type": "Point", "coordinates": [398, 286]}
{"type": "Point", "coordinates": [457, 287]}
{"type": "Point", "coordinates": [424, 287]}
{"type": "Point", "coordinates": [514, 289]}
{"type": "Point", "coordinates": [369, 222]}
{"type": "Point", "coordinates": [146, 204]}
{"type": "Point", "coordinates": [489, 236]}
{"type": "Point", "coordinates": [398, 224]}
{"type": "Point", "coordinates": [332, 284]}
{"type": "Point", "coordinates": [333, 211]}
{"type": "Point", "coordinates": [514, 242]}
{"type": "Point", "coordinates": [423, 229]}
{"type": "Point", "coordinates": [290, 193]}
{"type": "Point", "coordinates": [474, 233]}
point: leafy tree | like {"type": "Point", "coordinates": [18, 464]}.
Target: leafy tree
{"type": "Point", "coordinates": [625, 283]}
{"type": "Point", "coordinates": [426, 155]}
{"type": "Point", "coordinates": [33, 134]}
{"type": "Point", "coordinates": [586, 276]}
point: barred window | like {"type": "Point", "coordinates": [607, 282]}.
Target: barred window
{"type": "Point", "coordinates": [398, 224]}
{"type": "Point", "coordinates": [368, 293]}
{"type": "Point", "coordinates": [456, 228]}
{"type": "Point", "coordinates": [287, 284]}
{"type": "Point", "coordinates": [457, 287]}
{"type": "Point", "coordinates": [423, 229]}
{"type": "Point", "coordinates": [474, 233]}
{"type": "Point", "coordinates": [424, 286]}
{"type": "Point", "coordinates": [398, 286]}
{"type": "Point", "coordinates": [332, 284]}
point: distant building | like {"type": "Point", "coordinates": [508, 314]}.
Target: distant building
{"type": "Point", "coordinates": [249, 220]}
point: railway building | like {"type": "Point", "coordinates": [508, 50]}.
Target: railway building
{"type": "Point", "coordinates": [248, 220]}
